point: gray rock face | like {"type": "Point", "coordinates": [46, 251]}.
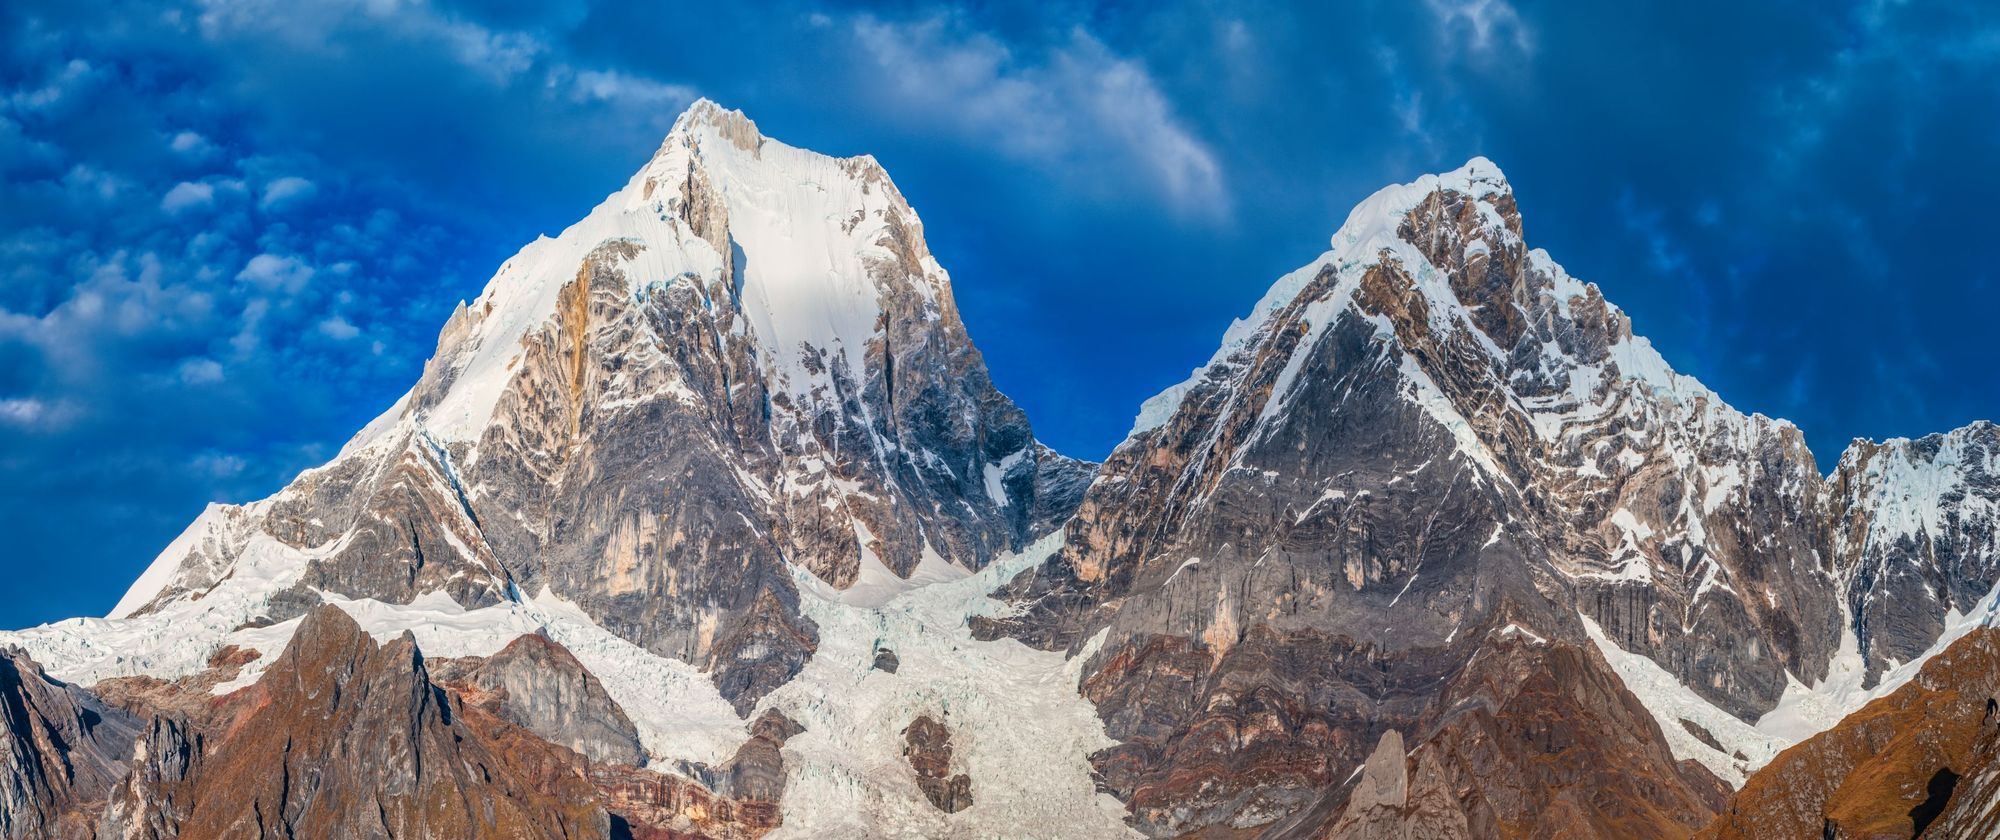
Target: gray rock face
{"type": "Point", "coordinates": [343, 737]}
{"type": "Point", "coordinates": [1916, 531]}
{"type": "Point", "coordinates": [744, 362]}
{"type": "Point", "coordinates": [539, 686]}
{"type": "Point", "coordinates": [1384, 784]}
{"type": "Point", "coordinates": [156, 796]}
{"type": "Point", "coordinates": [61, 752]}
{"type": "Point", "coordinates": [757, 772]}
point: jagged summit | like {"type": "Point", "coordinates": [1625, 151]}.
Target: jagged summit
{"type": "Point", "coordinates": [728, 122]}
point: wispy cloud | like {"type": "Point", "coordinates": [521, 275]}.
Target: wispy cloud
{"type": "Point", "coordinates": [1074, 105]}
{"type": "Point", "coordinates": [1482, 26]}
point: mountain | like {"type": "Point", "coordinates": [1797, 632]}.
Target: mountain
{"type": "Point", "coordinates": [744, 362]}
{"type": "Point", "coordinates": [705, 519]}
{"type": "Point", "coordinates": [1431, 440]}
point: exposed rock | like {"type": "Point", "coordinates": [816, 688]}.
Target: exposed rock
{"type": "Point", "coordinates": [1917, 532]}
{"type": "Point", "coordinates": [1375, 806]}
{"type": "Point", "coordinates": [927, 746]}
{"type": "Point", "coordinates": [537, 684]}
{"type": "Point", "coordinates": [61, 752]}
{"type": "Point", "coordinates": [757, 772]}
{"type": "Point", "coordinates": [190, 698]}
{"type": "Point", "coordinates": [885, 660]}
{"type": "Point", "coordinates": [345, 738]}
{"type": "Point", "coordinates": [156, 797]}
{"type": "Point", "coordinates": [1418, 439]}
{"type": "Point", "coordinates": [1538, 738]}
{"type": "Point", "coordinates": [645, 805]}
{"type": "Point", "coordinates": [1881, 768]}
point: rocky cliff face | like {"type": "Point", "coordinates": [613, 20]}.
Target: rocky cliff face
{"type": "Point", "coordinates": [536, 684]}
{"type": "Point", "coordinates": [61, 752]}
{"type": "Point", "coordinates": [342, 737]}
{"type": "Point", "coordinates": [1427, 434]}
{"type": "Point", "coordinates": [1916, 530]}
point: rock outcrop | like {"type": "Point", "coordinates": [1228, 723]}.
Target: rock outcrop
{"type": "Point", "coordinates": [346, 738]}
{"type": "Point", "coordinates": [539, 685]}
{"type": "Point", "coordinates": [1520, 745]}
{"type": "Point", "coordinates": [1916, 530]}
{"type": "Point", "coordinates": [756, 773]}
{"type": "Point", "coordinates": [61, 752]}
{"type": "Point", "coordinates": [157, 796]}
{"type": "Point", "coordinates": [927, 746]}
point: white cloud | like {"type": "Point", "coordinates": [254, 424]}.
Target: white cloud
{"type": "Point", "coordinates": [613, 86]}
{"type": "Point", "coordinates": [285, 191]}
{"type": "Point", "coordinates": [34, 413]}
{"type": "Point", "coordinates": [338, 329]}
{"type": "Point", "coordinates": [61, 86]}
{"type": "Point", "coordinates": [199, 371]}
{"type": "Point", "coordinates": [1077, 107]}
{"type": "Point", "coordinates": [84, 180]}
{"type": "Point", "coordinates": [22, 411]}
{"type": "Point", "coordinates": [188, 195]}
{"type": "Point", "coordinates": [272, 273]}
{"type": "Point", "coordinates": [218, 464]}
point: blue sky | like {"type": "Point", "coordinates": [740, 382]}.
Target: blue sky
{"type": "Point", "coordinates": [229, 229]}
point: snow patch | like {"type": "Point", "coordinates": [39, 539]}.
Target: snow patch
{"type": "Point", "coordinates": [1670, 702]}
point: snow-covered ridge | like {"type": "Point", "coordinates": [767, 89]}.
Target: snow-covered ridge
{"type": "Point", "coordinates": [803, 231]}
{"type": "Point", "coordinates": [1369, 227]}
{"type": "Point", "coordinates": [1371, 234]}
{"type": "Point", "coordinates": [1907, 486]}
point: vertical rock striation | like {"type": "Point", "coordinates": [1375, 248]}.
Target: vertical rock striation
{"type": "Point", "coordinates": [61, 752]}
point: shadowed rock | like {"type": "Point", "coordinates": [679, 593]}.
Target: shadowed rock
{"type": "Point", "coordinates": [538, 684]}
{"type": "Point", "coordinates": [62, 751]}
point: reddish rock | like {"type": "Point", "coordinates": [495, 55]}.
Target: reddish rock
{"type": "Point", "coordinates": [927, 746]}
{"type": "Point", "coordinates": [1904, 756]}
{"type": "Point", "coordinates": [346, 738]}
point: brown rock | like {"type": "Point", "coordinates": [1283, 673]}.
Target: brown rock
{"type": "Point", "coordinates": [344, 738]}
{"type": "Point", "coordinates": [927, 745]}
{"type": "Point", "coordinates": [1899, 758]}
